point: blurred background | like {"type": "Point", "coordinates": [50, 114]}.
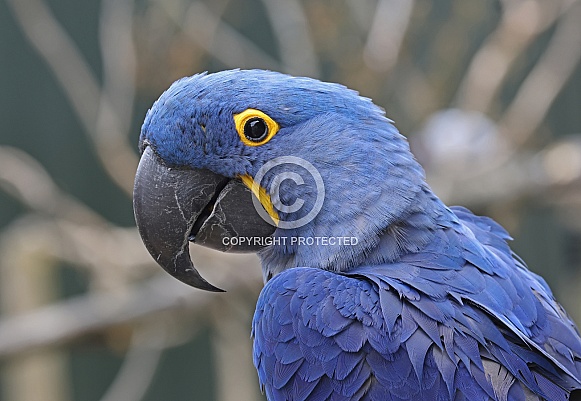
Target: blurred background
{"type": "Point", "coordinates": [488, 92]}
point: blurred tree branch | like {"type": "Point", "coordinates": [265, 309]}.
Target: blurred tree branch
{"type": "Point", "coordinates": [61, 322]}
{"type": "Point", "coordinates": [387, 32]}
{"type": "Point", "coordinates": [292, 32]}
{"type": "Point", "coordinates": [101, 117]}
{"type": "Point", "coordinates": [520, 24]}
{"type": "Point", "coordinates": [539, 90]}
{"type": "Point", "coordinates": [147, 344]}
{"type": "Point", "coordinates": [216, 37]}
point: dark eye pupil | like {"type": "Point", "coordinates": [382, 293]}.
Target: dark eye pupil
{"type": "Point", "coordinates": [255, 129]}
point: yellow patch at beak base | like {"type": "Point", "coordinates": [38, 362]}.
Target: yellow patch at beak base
{"type": "Point", "coordinates": [262, 196]}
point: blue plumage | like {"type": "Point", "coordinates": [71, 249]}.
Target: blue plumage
{"type": "Point", "coordinates": [423, 331]}
{"type": "Point", "coordinates": [429, 303]}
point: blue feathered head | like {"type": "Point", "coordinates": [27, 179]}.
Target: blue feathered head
{"type": "Point", "coordinates": [302, 171]}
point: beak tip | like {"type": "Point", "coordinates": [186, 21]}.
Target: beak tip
{"type": "Point", "coordinates": [184, 271]}
{"type": "Point", "coordinates": [192, 278]}
{"type": "Point", "coordinates": [195, 280]}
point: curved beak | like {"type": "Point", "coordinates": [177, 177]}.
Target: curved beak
{"type": "Point", "coordinates": [175, 206]}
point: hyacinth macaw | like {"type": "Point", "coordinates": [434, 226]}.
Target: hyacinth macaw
{"type": "Point", "coordinates": [395, 296]}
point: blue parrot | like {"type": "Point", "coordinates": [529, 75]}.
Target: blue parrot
{"type": "Point", "coordinates": [374, 289]}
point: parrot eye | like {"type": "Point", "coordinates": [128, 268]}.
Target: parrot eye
{"type": "Point", "coordinates": [254, 127]}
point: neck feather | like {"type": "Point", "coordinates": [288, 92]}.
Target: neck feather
{"type": "Point", "coordinates": [367, 241]}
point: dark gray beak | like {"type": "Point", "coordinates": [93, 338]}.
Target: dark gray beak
{"type": "Point", "coordinates": [174, 206]}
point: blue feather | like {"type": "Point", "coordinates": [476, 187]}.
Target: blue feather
{"type": "Point", "coordinates": [417, 347]}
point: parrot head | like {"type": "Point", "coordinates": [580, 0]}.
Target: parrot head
{"type": "Point", "coordinates": [303, 172]}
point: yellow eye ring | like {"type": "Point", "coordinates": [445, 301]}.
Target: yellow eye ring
{"type": "Point", "coordinates": [254, 127]}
